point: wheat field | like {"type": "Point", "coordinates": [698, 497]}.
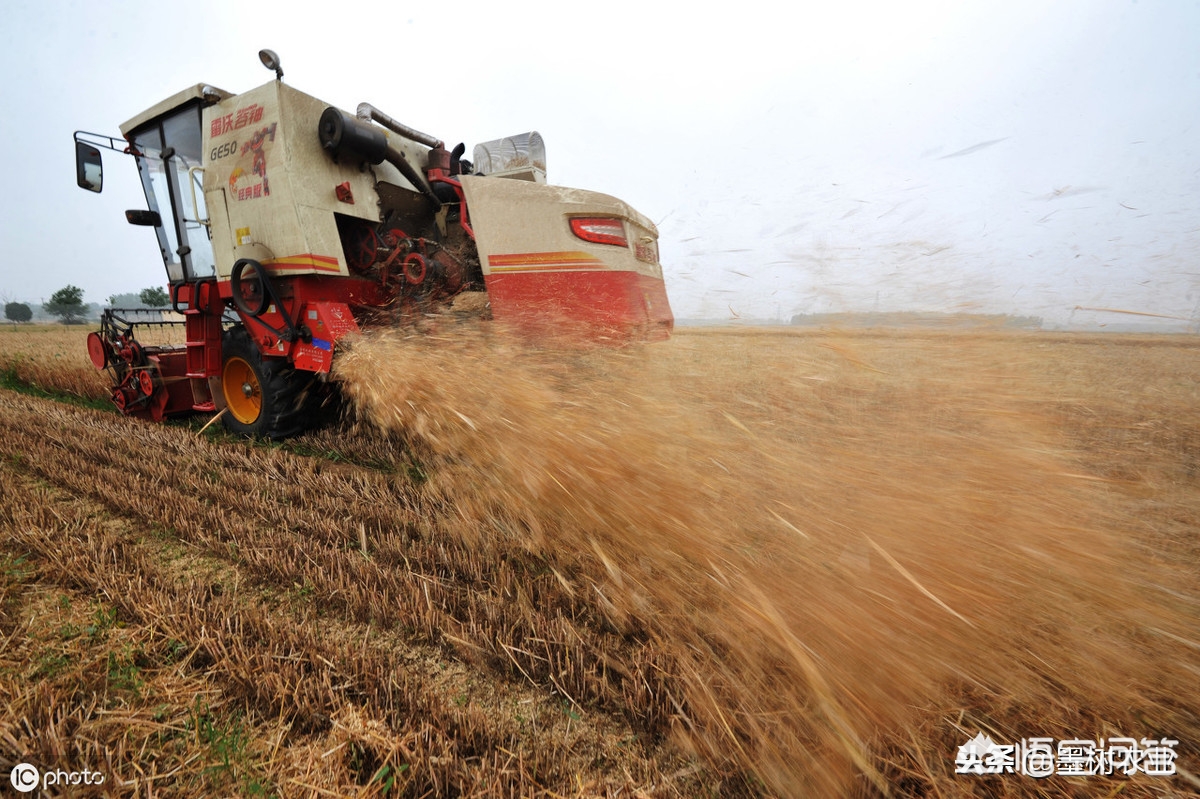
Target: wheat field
{"type": "Point", "coordinates": [740, 563]}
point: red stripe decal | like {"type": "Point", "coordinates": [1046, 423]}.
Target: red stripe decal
{"type": "Point", "coordinates": [323, 263]}
{"type": "Point", "coordinates": [542, 261]}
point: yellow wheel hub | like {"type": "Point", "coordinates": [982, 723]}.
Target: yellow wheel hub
{"type": "Point", "coordinates": [243, 393]}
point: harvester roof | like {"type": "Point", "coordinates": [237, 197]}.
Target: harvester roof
{"type": "Point", "coordinates": [201, 91]}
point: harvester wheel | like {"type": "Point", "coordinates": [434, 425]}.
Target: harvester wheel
{"type": "Point", "coordinates": [264, 397]}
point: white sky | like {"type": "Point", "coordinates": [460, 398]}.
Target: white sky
{"type": "Point", "coordinates": [990, 157]}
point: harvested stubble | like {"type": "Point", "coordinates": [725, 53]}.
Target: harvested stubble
{"type": "Point", "coordinates": [816, 563]}
{"type": "Point", "coordinates": [286, 530]}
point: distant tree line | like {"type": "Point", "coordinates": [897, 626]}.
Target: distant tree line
{"type": "Point", "coordinates": [68, 305]}
{"type": "Point", "coordinates": [153, 297]}
{"type": "Point", "coordinates": [917, 319]}
{"type": "Point", "coordinates": [17, 312]}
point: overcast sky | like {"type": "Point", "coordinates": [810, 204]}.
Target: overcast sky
{"type": "Point", "coordinates": [987, 157]}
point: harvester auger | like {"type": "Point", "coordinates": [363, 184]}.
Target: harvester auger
{"type": "Point", "coordinates": [286, 224]}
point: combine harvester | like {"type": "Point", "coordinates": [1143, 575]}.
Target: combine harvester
{"type": "Point", "coordinates": [286, 224]}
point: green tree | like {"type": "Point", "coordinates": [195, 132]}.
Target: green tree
{"type": "Point", "coordinates": [154, 297]}
{"type": "Point", "coordinates": [67, 304]}
{"type": "Point", "coordinates": [17, 312]}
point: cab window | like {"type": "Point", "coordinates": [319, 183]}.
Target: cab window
{"type": "Point", "coordinates": [169, 148]}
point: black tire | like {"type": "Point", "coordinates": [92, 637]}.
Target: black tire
{"type": "Point", "coordinates": [273, 399]}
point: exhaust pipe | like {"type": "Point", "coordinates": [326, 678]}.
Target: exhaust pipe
{"type": "Point", "coordinates": [343, 135]}
{"type": "Point", "coordinates": [369, 113]}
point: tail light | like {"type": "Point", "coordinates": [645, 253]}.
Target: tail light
{"type": "Point", "coordinates": [600, 230]}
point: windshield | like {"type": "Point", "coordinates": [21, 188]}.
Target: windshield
{"type": "Point", "coordinates": [170, 148]}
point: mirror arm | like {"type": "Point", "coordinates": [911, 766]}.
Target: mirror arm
{"type": "Point", "coordinates": [107, 142]}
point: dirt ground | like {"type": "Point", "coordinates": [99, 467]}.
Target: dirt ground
{"type": "Point", "coordinates": [744, 562]}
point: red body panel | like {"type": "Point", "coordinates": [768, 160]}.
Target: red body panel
{"type": "Point", "coordinates": [181, 398]}
{"type": "Point", "coordinates": [322, 304]}
{"type": "Point", "coordinates": [202, 321]}
{"type": "Point", "coordinates": [328, 321]}
{"type": "Point", "coordinates": [164, 376]}
{"type": "Point", "coordinates": [615, 304]}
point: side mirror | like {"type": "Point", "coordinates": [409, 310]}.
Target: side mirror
{"type": "Point", "coordinates": [143, 218]}
{"type": "Point", "coordinates": [88, 169]}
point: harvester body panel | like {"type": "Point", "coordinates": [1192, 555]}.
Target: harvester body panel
{"type": "Point", "coordinates": [280, 189]}
{"type": "Point", "coordinates": [538, 271]}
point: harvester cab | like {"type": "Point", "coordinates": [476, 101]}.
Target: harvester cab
{"type": "Point", "coordinates": [286, 224]}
